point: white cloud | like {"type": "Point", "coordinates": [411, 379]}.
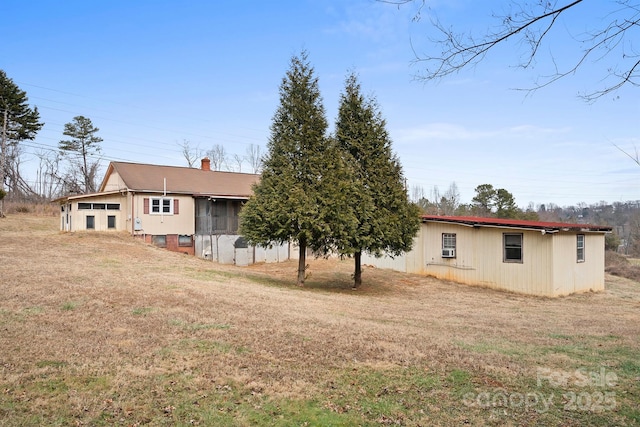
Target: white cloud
{"type": "Point", "coordinates": [434, 132]}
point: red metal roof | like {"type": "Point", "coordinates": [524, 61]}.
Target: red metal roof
{"type": "Point", "coordinates": [515, 223]}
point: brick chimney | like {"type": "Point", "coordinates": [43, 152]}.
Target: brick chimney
{"type": "Point", "coordinates": [206, 164]}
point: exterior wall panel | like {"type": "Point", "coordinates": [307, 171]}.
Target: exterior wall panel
{"type": "Point", "coordinates": [76, 219]}
{"type": "Point", "coordinates": [158, 224]}
{"type": "Point", "coordinates": [549, 265]}
{"type": "Point", "coordinates": [114, 183]}
{"type": "Point", "coordinates": [569, 275]}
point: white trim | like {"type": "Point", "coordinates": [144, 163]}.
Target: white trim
{"type": "Point", "coordinates": [161, 205]}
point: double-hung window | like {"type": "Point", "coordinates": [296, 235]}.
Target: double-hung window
{"type": "Point", "coordinates": [580, 247]}
{"type": "Point", "coordinates": [161, 205]}
{"type": "Point", "coordinates": [512, 247]}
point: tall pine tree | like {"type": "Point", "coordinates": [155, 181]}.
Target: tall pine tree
{"type": "Point", "coordinates": [83, 143]}
{"type": "Point", "coordinates": [18, 122]}
{"type": "Point", "coordinates": [297, 197]}
{"type": "Point", "coordinates": [387, 220]}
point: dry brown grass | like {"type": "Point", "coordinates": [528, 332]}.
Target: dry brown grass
{"type": "Point", "coordinates": [40, 209]}
{"type": "Point", "coordinates": [100, 329]}
{"type": "Point", "coordinates": [619, 265]}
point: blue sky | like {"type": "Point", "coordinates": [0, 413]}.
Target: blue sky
{"type": "Point", "coordinates": [151, 74]}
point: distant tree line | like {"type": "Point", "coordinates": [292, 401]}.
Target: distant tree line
{"type": "Point", "coordinates": [487, 202]}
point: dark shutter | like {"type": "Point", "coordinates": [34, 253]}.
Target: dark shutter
{"type": "Point", "coordinates": [176, 206]}
{"type": "Point", "coordinates": [146, 205]}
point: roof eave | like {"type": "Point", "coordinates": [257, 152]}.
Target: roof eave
{"type": "Point", "coordinates": [532, 227]}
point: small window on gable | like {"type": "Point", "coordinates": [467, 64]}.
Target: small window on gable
{"type": "Point", "coordinates": [580, 247]}
{"type": "Point", "coordinates": [91, 222]}
{"type": "Point", "coordinates": [512, 247]}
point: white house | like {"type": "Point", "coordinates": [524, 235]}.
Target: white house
{"type": "Point", "coordinates": [189, 210]}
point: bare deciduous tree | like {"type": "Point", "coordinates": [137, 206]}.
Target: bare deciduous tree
{"type": "Point", "coordinates": [48, 183]}
{"type": "Point", "coordinates": [450, 200]}
{"type": "Point", "coordinates": [417, 193]}
{"type": "Point", "coordinates": [529, 26]}
{"type": "Point", "coordinates": [191, 154]}
{"type": "Point", "coordinates": [254, 158]}
{"type": "Point", "coordinates": [218, 157]}
{"type": "Point", "coordinates": [238, 160]}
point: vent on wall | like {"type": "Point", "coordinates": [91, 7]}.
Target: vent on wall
{"type": "Point", "coordinates": [448, 253]}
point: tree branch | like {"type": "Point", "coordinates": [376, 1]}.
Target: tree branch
{"type": "Point", "coordinates": [531, 22]}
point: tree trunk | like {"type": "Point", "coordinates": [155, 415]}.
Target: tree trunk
{"type": "Point", "coordinates": [86, 171]}
{"type": "Point", "coordinates": [302, 261]}
{"type": "Point", "coordinates": [357, 275]}
{"type": "Point", "coordinates": [3, 159]}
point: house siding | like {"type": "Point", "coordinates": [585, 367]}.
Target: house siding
{"type": "Point", "coordinates": [114, 183]}
{"type": "Point", "coordinates": [75, 219]}
{"type": "Point", "coordinates": [571, 276]}
{"type": "Point", "coordinates": [158, 224]}
{"type": "Point", "coordinates": [549, 265]}
{"type": "Point", "coordinates": [135, 186]}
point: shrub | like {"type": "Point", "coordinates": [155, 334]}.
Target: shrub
{"type": "Point", "coordinates": [619, 265]}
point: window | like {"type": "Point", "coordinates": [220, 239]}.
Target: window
{"type": "Point", "coordinates": [91, 222]}
{"type": "Point", "coordinates": [580, 247]}
{"type": "Point", "coordinates": [448, 245]}
{"type": "Point", "coordinates": [161, 205]}
{"type": "Point", "coordinates": [160, 241]}
{"type": "Point", "coordinates": [101, 206]}
{"type": "Point", "coordinates": [111, 221]}
{"type": "Point", "coordinates": [512, 247]}
{"type": "Point", "coordinates": [184, 240]}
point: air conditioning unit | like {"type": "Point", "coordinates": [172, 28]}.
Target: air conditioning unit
{"type": "Point", "coordinates": [448, 253]}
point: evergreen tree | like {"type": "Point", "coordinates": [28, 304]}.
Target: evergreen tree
{"type": "Point", "coordinates": [18, 122]}
{"type": "Point", "coordinates": [293, 202]}
{"type": "Point", "coordinates": [387, 221]}
{"type": "Point", "coordinates": [484, 200]}
{"type": "Point", "coordinates": [83, 144]}
{"type": "Point", "coordinates": [505, 205]}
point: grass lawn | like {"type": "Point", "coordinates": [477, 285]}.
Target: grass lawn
{"type": "Point", "coordinates": [100, 329]}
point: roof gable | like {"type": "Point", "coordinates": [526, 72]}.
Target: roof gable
{"type": "Point", "coordinates": [515, 223]}
{"type": "Point", "coordinates": [183, 180]}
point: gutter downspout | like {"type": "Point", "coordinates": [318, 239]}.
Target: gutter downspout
{"type": "Point", "coordinates": [133, 215]}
